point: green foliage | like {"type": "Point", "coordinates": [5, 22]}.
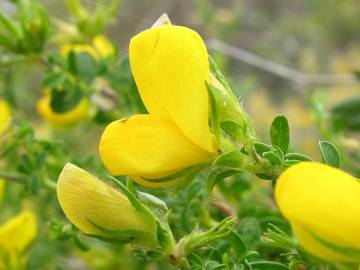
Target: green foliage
{"type": "Point", "coordinates": [330, 154]}
{"type": "Point", "coordinates": [346, 115]}
{"type": "Point", "coordinates": [29, 32]}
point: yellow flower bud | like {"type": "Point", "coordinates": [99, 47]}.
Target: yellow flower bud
{"type": "Point", "coordinates": [322, 204]}
{"type": "Point", "coordinates": [62, 120]}
{"type": "Point", "coordinates": [15, 237]}
{"type": "Point", "coordinates": [5, 115]}
{"type": "Point", "coordinates": [99, 210]}
{"type": "Point", "coordinates": [170, 66]}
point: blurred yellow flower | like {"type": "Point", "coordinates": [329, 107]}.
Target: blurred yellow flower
{"type": "Point", "coordinates": [170, 66]}
{"type": "Point", "coordinates": [15, 237]}
{"type": "Point", "coordinates": [62, 120]}
{"type": "Point", "coordinates": [322, 205]}
{"type": "Point", "coordinates": [5, 115]}
{"type": "Point", "coordinates": [98, 209]}
{"type": "Point", "coordinates": [100, 47]}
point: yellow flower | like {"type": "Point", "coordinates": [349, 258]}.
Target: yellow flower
{"type": "Point", "coordinates": [100, 47]}
{"type": "Point", "coordinates": [99, 210]}
{"type": "Point", "coordinates": [322, 205]}
{"type": "Point", "coordinates": [170, 66]}
{"type": "Point", "coordinates": [103, 46]}
{"type": "Point", "coordinates": [62, 120]}
{"type": "Point", "coordinates": [15, 237]}
{"type": "Point", "coordinates": [5, 116]}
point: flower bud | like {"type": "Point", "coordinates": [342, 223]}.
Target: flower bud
{"type": "Point", "coordinates": [322, 205]}
{"type": "Point", "coordinates": [101, 211]}
{"type": "Point", "coordinates": [15, 237]}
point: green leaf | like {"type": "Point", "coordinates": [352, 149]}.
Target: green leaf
{"type": "Point", "coordinates": [330, 154]}
{"type": "Point", "coordinates": [216, 176]}
{"type": "Point", "coordinates": [288, 163]}
{"type": "Point", "coordinates": [264, 176]}
{"type": "Point", "coordinates": [346, 115]}
{"type": "Point", "coordinates": [261, 148]}
{"type": "Point", "coordinates": [237, 243]}
{"type": "Point", "coordinates": [54, 80]}
{"type": "Point", "coordinates": [64, 100]}
{"type": "Point", "coordinates": [247, 254]}
{"type": "Point", "coordinates": [214, 265]}
{"type": "Point", "coordinates": [10, 26]}
{"type": "Point", "coordinates": [272, 157]}
{"type": "Point", "coordinates": [297, 156]}
{"type": "Point", "coordinates": [83, 65]}
{"type": "Point", "coordinates": [80, 244]}
{"type": "Point", "coordinates": [195, 259]}
{"type": "Point", "coordinates": [250, 231]}
{"type": "Point", "coordinates": [268, 265]}
{"type": "Point", "coordinates": [279, 133]}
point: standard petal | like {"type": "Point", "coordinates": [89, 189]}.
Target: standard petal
{"type": "Point", "coordinates": [147, 145]}
{"type": "Point", "coordinates": [86, 199]}
{"type": "Point", "coordinates": [17, 234]}
{"type": "Point", "coordinates": [170, 66]}
{"type": "Point", "coordinates": [322, 200]}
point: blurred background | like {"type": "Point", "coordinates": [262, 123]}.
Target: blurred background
{"type": "Point", "coordinates": [295, 58]}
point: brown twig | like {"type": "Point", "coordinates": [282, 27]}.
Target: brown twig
{"type": "Point", "coordinates": [15, 178]}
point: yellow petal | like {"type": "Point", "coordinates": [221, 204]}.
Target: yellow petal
{"type": "Point", "coordinates": [170, 66]}
{"type": "Point", "coordinates": [148, 146]}
{"type": "Point", "coordinates": [5, 116]}
{"type": "Point", "coordinates": [17, 234]}
{"type": "Point", "coordinates": [83, 197]}
{"type": "Point", "coordinates": [314, 246]}
{"type": "Point", "coordinates": [62, 120]}
{"type": "Point", "coordinates": [78, 48]}
{"type": "Point", "coordinates": [324, 203]}
{"type": "Point", "coordinates": [103, 46]}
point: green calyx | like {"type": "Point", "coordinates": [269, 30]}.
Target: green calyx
{"type": "Point", "coordinates": [232, 118]}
